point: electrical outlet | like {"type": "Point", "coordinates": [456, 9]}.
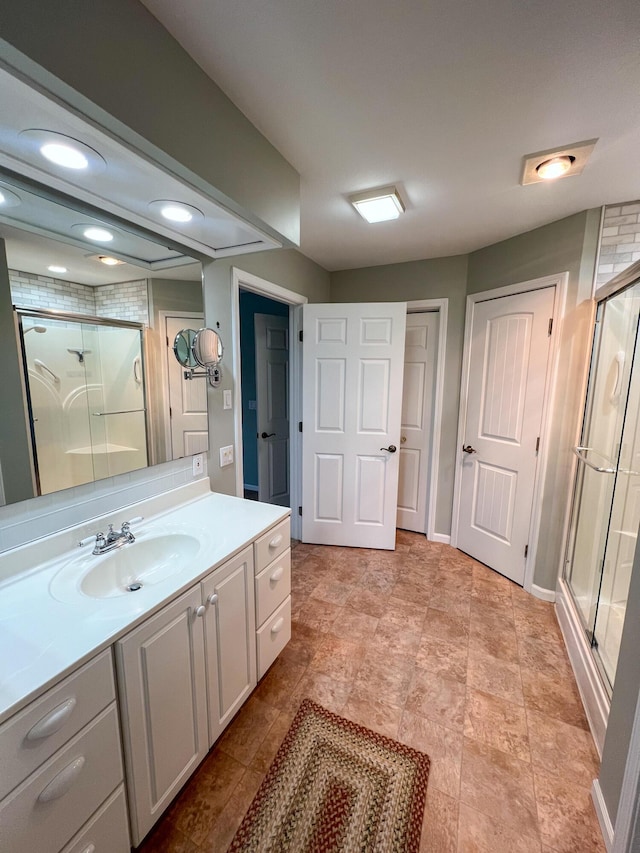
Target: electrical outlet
{"type": "Point", "coordinates": [198, 464]}
{"type": "Point", "coordinates": [226, 397]}
{"type": "Point", "coordinates": [226, 455]}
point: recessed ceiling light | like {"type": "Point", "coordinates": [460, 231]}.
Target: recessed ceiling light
{"type": "Point", "coordinates": [64, 155]}
{"type": "Point", "coordinates": [62, 150]}
{"type": "Point", "coordinates": [109, 261]}
{"type": "Point", "coordinates": [556, 167]}
{"type": "Point", "coordinates": [99, 235]}
{"type": "Point", "coordinates": [378, 205]}
{"type": "Point", "coordinates": [56, 269]}
{"type": "Point", "coordinates": [176, 211]}
{"type": "Point", "coordinates": [8, 198]}
{"type": "Point", "coordinates": [557, 162]}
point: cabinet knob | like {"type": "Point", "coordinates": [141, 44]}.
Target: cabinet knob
{"type": "Point", "coordinates": [53, 721]}
{"type": "Point", "coordinates": [277, 626]}
{"type": "Point", "coordinates": [275, 577]}
{"type": "Point", "coordinates": [276, 541]}
{"type": "Point", "coordinates": [213, 598]}
{"type": "Point", "coordinates": [201, 610]}
{"type": "Point", "coordinates": [90, 849]}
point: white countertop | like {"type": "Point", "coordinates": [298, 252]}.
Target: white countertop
{"type": "Point", "coordinates": [42, 638]}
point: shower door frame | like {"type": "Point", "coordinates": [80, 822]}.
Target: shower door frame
{"type": "Point", "coordinates": [55, 314]}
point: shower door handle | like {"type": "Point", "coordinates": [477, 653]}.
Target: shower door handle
{"type": "Point", "coordinates": [581, 451]}
{"type": "Point", "coordinates": [123, 412]}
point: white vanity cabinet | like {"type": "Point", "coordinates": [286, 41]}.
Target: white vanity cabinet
{"type": "Point", "coordinates": [163, 700]}
{"type": "Point", "coordinates": [230, 645]}
{"type": "Point", "coordinates": [272, 554]}
{"type": "Point", "coordinates": [62, 768]}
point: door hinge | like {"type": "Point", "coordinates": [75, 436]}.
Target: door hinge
{"type": "Point", "coordinates": [299, 426]}
{"type": "Point", "coordinates": [300, 335]}
{"type": "Point", "coordinates": [550, 325]}
{"type": "Point", "coordinates": [526, 551]}
{"type": "Point", "coordinates": [167, 339]}
{"type": "Point", "coordinates": [299, 510]}
{"type": "Point", "coordinates": [170, 412]}
{"type": "Point", "coordinates": [537, 444]}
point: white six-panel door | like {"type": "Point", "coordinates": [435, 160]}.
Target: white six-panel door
{"type": "Point", "coordinates": [187, 398]}
{"type": "Point", "coordinates": [420, 357]}
{"type": "Point", "coordinates": [272, 395]}
{"type": "Point", "coordinates": [353, 359]}
{"type": "Point", "coordinates": [505, 395]}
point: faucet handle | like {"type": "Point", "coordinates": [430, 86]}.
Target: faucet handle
{"type": "Point", "coordinates": [126, 525]}
{"type": "Point", "coordinates": [90, 539]}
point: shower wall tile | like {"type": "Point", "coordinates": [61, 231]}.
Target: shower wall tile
{"type": "Point", "coordinates": [619, 241]}
{"type": "Point", "coordinates": [39, 291]}
{"type": "Point", "coordinates": [124, 301]}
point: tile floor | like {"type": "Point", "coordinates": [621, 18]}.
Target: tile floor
{"type": "Point", "coordinates": [427, 646]}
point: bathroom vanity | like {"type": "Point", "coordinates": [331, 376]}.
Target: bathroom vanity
{"type": "Point", "coordinates": [110, 698]}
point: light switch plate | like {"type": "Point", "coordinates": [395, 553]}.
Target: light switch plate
{"type": "Point", "coordinates": [226, 397]}
{"type": "Point", "coordinates": [226, 455]}
{"type": "Point", "coordinates": [198, 464]}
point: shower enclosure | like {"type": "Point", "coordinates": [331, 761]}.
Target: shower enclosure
{"type": "Point", "coordinates": [606, 503]}
{"type": "Point", "coordinates": [85, 395]}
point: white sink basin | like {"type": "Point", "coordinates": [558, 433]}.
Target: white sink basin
{"type": "Point", "coordinates": [126, 570]}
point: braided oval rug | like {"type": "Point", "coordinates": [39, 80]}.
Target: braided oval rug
{"type": "Point", "coordinates": [336, 787]}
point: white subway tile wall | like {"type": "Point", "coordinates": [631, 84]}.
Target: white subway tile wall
{"type": "Point", "coordinates": [620, 240]}
{"type": "Point", "coordinates": [122, 301]}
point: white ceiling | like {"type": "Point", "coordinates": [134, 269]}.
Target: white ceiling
{"type": "Point", "coordinates": [441, 97]}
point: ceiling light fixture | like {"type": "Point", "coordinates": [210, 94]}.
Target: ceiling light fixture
{"type": "Point", "coordinates": [379, 205]}
{"type": "Point", "coordinates": [8, 199]}
{"type": "Point", "coordinates": [99, 235]}
{"type": "Point", "coordinates": [56, 269]}
{"type": "Point", "coordinates": [556, 167]}
{"type": "Point", "coordinates": [64, 155]}
{"type": "Point", "coordinates": [176, 211]}
{"type": "Point", "coordinates": [109, 261]}
{"type": "Point", "coordinates": [556, 163]}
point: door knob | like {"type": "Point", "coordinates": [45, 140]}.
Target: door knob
{"type": "Point", "coordinates": [267, 434]}
{"type": "Point", "coordinates": [391, 449]}
{"type": "Point", "coordinates": [468, 449]}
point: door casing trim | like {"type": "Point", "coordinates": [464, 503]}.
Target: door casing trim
{"type": "Point", "coordinates": [560, 284]}
{"type": "Point", "coordinates": [248, 281]}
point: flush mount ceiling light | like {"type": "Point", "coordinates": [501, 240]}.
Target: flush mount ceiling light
{"type": "Point", "coordinates": [556, 163]}
{"type": "Point", "coordinates": [176, 211]}
{"type": "Point", "coordinates": [8, 198]}
{"type": "Point", "coordinates": [108, 260]}
{"type": "Point", "coordinates": [378, 205]}
{"type": "Point", "coordinates": [94, 231]}
{"type": "Point", "coordinates": [62, 150]}
{"type": "Point", "coordinates": [57, 269]}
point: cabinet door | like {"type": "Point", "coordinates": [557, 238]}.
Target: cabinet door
{"type": "Point", "coordinates": [230, 639]}
{"type": "Point", "coordinates": [161, 675]}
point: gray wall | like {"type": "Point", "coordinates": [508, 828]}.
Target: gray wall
{"type": "Point", "coordinates": [430, 279]}
{"type": "Point", "coordinates": [15, 456]}
{"type": "Point", "coordinates": [287, 268]}
{"type": "Point", "coordinates": [568, 245]}
{"type": "Point", "coordinates": [116, 63]}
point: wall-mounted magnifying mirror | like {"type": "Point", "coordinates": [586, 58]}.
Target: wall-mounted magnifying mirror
{"type": "Point", "coordinates": [207, 347]}
{"type": "Point", "coordinates": [183, 348]}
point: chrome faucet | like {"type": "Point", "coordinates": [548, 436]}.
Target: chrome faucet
{"type": "Point", "coordinates": [115, 539]}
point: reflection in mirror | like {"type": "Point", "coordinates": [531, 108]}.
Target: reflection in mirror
{"type": "Point", "coordinates": [207, 348]}
{"type": "Point", "coordinates": [92, 387]}
{"type": "Point", "coordinates": [183, 348]}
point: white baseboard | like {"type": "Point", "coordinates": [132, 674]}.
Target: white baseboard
{"type": "Point", "coordinates": [542, 593]}
{"type": "Point", "coordinates": [441, 537]}
{"type": "Point", "coordinates": [594, 697]}
{"type": "Point", "coordinates": [604, 820]}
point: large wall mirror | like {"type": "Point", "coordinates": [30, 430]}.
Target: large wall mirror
{"type": "Point", "coordinates": [88, 323]}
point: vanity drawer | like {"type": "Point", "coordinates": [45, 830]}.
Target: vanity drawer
{"type": "Point", "coordinates": [107, 831]}
{"type": "Point", "coordinates": [273, 585]}
{"type": "Point", "coordinates": [43, 813]}
{"type": "Point", "coordinates": [31, 736]}
{"type": "Point", "coordinates": [271, 544]}
{"type": "Point", "coordinates": [274, 636]}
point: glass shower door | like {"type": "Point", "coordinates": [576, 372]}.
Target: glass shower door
{"type": "Point", "coordinates": [606, 508]}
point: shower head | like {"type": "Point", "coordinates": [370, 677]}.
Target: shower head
{"type": "Point", "coordinates": [40, 329]}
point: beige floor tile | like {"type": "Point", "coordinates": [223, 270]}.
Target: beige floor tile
{"type": "Point", "coordinates": [447, 626]}
{"type": "Point", "coordinates": [221, 833]}
{"type": "Point", "coordinates": [338, 658]}
{"type": "Point", "coordinates": [272, 742]}
{"type": "Point", "coordinates": [319, 614]}
{"type": "Point", "coordinates": [332, 591]}
{"type": "Point", "coordinates": [442, 657]}
{"type": "Point", "coordinates": [387, 678]}
{"type": "Point", "coordinates": [374, 713]}
{"type": "Point", "coordinates": [439, 824]}
{"type": "Point", "coordinates": [450, 600]}
{"type": "Point", "coordinates": [279, 682]}
{"type": "Point", "coordinates": [352, 625]}
{"type": "Point", "coordinates": [437, 697]}
{"type": "Point", "coordinates": [544, 655]}
{"type": "Point", "coordinates": [166, 838]}
{"type": "Point", "coordinates": [496, 722]}
{"type": "Point", "coordinates": [561, 749]}
{"type": "Point", "coordinates": [553, 695]}
{"type": "Point", "coordinates": [367, 601]}
{"type": "Point", "coordinates": [500, 786]}
{"type": "Point", "coordinates": [442, 745]}
{"type": "Point", "coordinates": [568, 822]}
{"type": "Point", "coordinates": [493, 675]}
{"type": "Point", "coordinates": [392, 638]}
{"type": "Point", "coordinates": [245, 734]}
{"type": "Point", "coordinates": [478, 833]}
{"type": "Point", "coordinates": [322, 689]}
